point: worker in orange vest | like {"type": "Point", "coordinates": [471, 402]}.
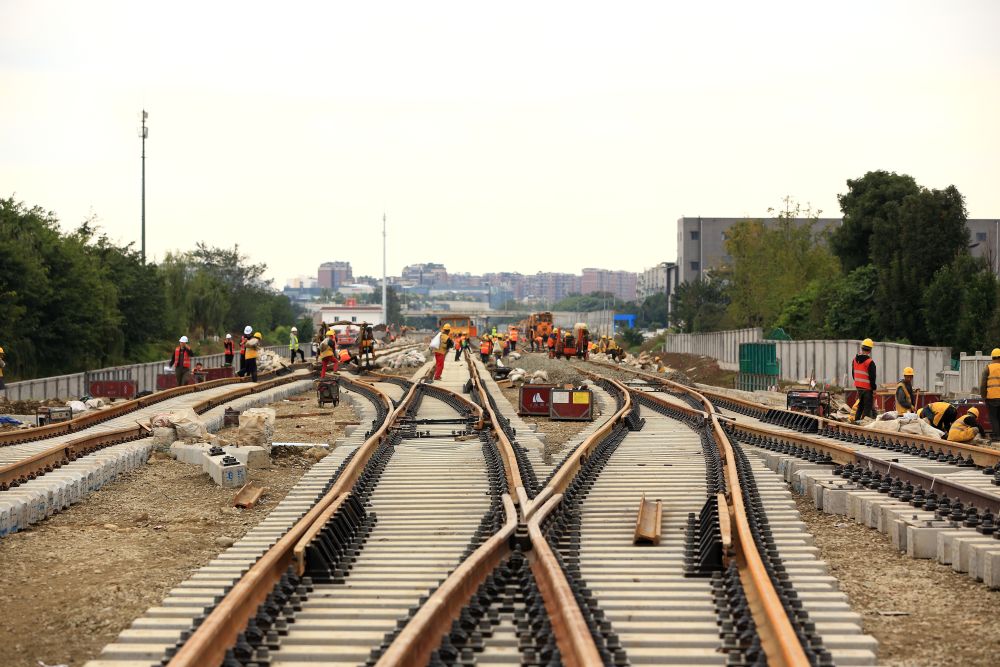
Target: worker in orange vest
{"type": "Point", "coordinates": [328, 352]}
{"type": "Point", "coordinates": [551, 344]}
{"type": "Point", "coordinates": [485, 348]}
{"type": "Point", "coordinates": [459, 341]}
{"type": "Point", "coordinates": [229, 347]}
{"type": "Point", "coordinates": [514, 335]}
{"type": "Point", "coordinates": [181, 361]}
{"type": "Point", "coordinates": [863, 372]}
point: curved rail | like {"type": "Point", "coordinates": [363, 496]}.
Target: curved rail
{"type": "Point", "coordinates": [221, 628]}
{"type": "Point", "coordinates": [49, 459]}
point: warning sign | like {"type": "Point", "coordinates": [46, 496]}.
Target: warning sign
{"type": "Point", "coordinates": [572, 405]}
{"type": "Point", "coordinates": [581, 397]}
{"type": "Point", "coordinates": [560, 397]}
{"type": "Point", "coordinates": [534, 399]}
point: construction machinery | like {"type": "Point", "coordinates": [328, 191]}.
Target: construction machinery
{"type": "Point", "coordinates": [460, 324]}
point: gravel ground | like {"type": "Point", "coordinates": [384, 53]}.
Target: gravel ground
{"type": "Point", "coordinates": [70, 584]}
{"type": "Point", "coordinates": [921, 612]}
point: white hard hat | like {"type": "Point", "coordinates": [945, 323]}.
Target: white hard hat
{"type": "Point", "coordinates": [248, 330]}
{"type": "Point", "coordinates": [184, 339]}
{"type": "Point", "coordinates": [229, 335]}
{"type": "Point", "coordinates": [295, 329]}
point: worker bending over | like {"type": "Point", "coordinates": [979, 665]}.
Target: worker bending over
{"type": "Point", "coordinates": [989, 389]}
{"type": "Point", "coordinates": [863, 372]}
{"type": "Point", "coordinates": [965, 427]}
{"type": "Point", "coordinates": [941, 415]}
{"type": "Point", "coordinates": [906, 400]}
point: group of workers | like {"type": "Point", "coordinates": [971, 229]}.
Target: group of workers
{"type": "Point", "coordinates": [186, 371]}
{"type": "Point", "coordinates": [942, 415]}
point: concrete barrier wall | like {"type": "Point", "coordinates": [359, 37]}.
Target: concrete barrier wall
{"type": "Point", "coordinates": [723, 346]}
{"type": "Point", "coordinates": [970, 369]}
{"type": "Point", "coordinates": [74, 385]}
{"type": "Point", "coordinates": [826, 361]}
{"type": "Point", "coordinates": [829, 361]}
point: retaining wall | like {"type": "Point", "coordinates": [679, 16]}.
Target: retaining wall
{"type": "Point", "coordinates": [724, 346]}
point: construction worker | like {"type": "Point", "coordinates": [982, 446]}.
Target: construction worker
{"type": "Point", "coordinates": [328, 352]}
{"type": "Point", "coordinates": [965, 427]}
{"type": "Point", "coordinates": [989, 389]}
{"type": "Point", "coordinates": [3, 364]}
{"type": "Point", "coordinates": [941, 415]}
{"type": "Point", "coordinates": [293, 345]}
{"type": "Point", "coordinates": [906, 399]}
{"type": "Point", "coordinates": [514, 335]}
{"type": "Point", "coordinates": [533, 339]}
{"type": "Point", "coordinates": [445, 343]}
{"type": "Point", "coordinates": [181, 361]}
{"type": "Point", "coordinates": [551, 344]}
{"type": "Point", "coordinates": [485, 348]}
{"type": "Point", "coordinates": [247, 335]}
{"type": "Point", "coordinates": [459, 344]}
{"type": "Point", "coordinates": [230, 350]}
{"type": "Point", "coordinates": [863, 372]}
{"type": "Point", "coordinates": [253, 349]}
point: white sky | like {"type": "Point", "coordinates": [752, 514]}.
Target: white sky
{"type": "Point", "coordinates": [553, 136]}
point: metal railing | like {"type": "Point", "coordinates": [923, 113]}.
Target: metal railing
{"type": "Point", "coordinates": [74, 385]}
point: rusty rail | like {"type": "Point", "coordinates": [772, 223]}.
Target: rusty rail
{"type": "Point", "coordinates": [209, 642]}
{"type": "Point", "coordinates": [49, 459]}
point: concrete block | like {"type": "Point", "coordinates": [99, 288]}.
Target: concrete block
{"type": "Point", "coordinates": [193, 454]}
{"type": "Point", "coordinates": [835, 499]}
{"type": "Point", "coordinates": [945, 539]}
{"type": "Point", "coordinates": [233, 476]}
{"type": "Point", "coordinates": [991, 568]}
{"type": "Point", "coordinates": [978, 554]}
{"type": "Point", "coordinates": [251, 457]}
{"type": "Point", "coordinates": [961, 548]}
{"type": "Point", "coordinates": [922, 540]}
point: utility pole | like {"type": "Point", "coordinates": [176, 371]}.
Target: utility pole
{"type": "Point", "coordinates": [385, 301]}
{"type": "Point", "coordinates": [144, 132]}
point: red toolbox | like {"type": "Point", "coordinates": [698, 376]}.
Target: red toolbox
{"type": "Point", "coordinates": [572, 405]}
{"type": "Point", "coordinates": [534, 399]}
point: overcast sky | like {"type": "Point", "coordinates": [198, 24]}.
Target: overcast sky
{"type": "Point", "coordinates": [518, 136]}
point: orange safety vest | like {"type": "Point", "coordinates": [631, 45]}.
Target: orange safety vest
{"type": "Point", "coordinates": [513, 336]}
{"type": "Point", "coordinates": [861, 379]}
{"type": "Point", "coordinates": [485, 347]}
{"type": "Point", "coordinates": [552, 342]}
{"type": "Point", "coordinates": [228, 344]}
{"type": "Point", "coordinates": [345, 356]}
{"type": "Point", "coordinates": [182, 357]}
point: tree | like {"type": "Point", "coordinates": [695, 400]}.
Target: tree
{"type": "Point", "coordinates": [653, 311]}
{"type": "Point", "coordinates": [771, 262]}
{"type": "Point", "coordinates": [699, 305]}
{"type": "Point", "coordinates": [870, 201]}
{"type": "Point", "coordinates": [960, 305]}
{"type": "Point", "coordinates": [850, 306]}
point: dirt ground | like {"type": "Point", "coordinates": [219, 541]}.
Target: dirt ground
{"type": "Point", "coordinates": [301, 419]}
{"type": "Point", "coordinates": [921, 612]}
{"type": "Point", "coordinates": [70, 584]}
{"type": "Point", "coordinates": [700, 369]}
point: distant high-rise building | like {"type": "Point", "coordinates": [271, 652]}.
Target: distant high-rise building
{"type": "Point", "coordinates": [621, 284]}
{"type": "Point", "coordinates": [425, 274]}
{"type": "Point", "coordinates": [332, 275]}
{"type": "Point", "coordinates": [551, 286]}
{"type": "Point", "coordinates": [660, 279]}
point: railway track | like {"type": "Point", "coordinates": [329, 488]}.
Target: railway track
{"type": "Point", "coordinates": [655, 540]}
{"type": "Point", "coordinates": [45, 469]}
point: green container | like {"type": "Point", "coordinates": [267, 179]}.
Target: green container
{"type": "Point", "coordinates": [759, 358]}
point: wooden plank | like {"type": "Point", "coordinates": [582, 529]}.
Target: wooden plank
{"type": "Point", "coordinates": [248, 495]}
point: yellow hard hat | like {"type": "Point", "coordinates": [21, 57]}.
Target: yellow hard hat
{"type": "Point", "coordinates": [974, 411]}
{"type": "Point", "coordinates": [331, 332]}
{"type": "Point", "coordinates": [867, 342]}
{"type": "Point", "coordinates": [995, 353]}
{"type": "Point", "coordinates": [257, 335]}
{"type": "Point", "coordinates": [1, 350]}
{"type": "Point", "coordinates": [907, 371]}
{"type": "Point", "coordinates": [446, 327]}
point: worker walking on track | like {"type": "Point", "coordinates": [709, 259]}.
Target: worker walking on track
{"type": "Point", "coordinates": [989, 389]}
{"type": "Point", "coordinates": [941, 415]}
{"type": "Point", "coordinates": [444, 343]}
{"type": "Point", "coordinates": [293, 345]}
{"type": "Point", "coordinates": [181, 361]}
{"type": "Point", "coordinates": [863, 372]}
{"type": "Point", "coordinates": [459, 342]}
{"type": "Point", "coordinates": [514, 335]}
{"type": "Point", "coordinates": [247, 335]}
{"type": "Point", "coordinates": [230, 348]}
{"type": "Point", "coordinates": [485, 348]}
{"type": "Point", "coordinates": [965, 427]}
{"type": "Point", "coordinates": [906, 400]}
{"type": "Point", "coordinates": [328, 352]}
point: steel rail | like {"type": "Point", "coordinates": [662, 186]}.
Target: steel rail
{"type": "Point", "coordinates": [422, 635]}
{"type": "Point", "coordinates": [208, 643]}
{"type": "Point", "coordinates": [778, 639]}
{"type": "Point", "coordinates": [49, 459]}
